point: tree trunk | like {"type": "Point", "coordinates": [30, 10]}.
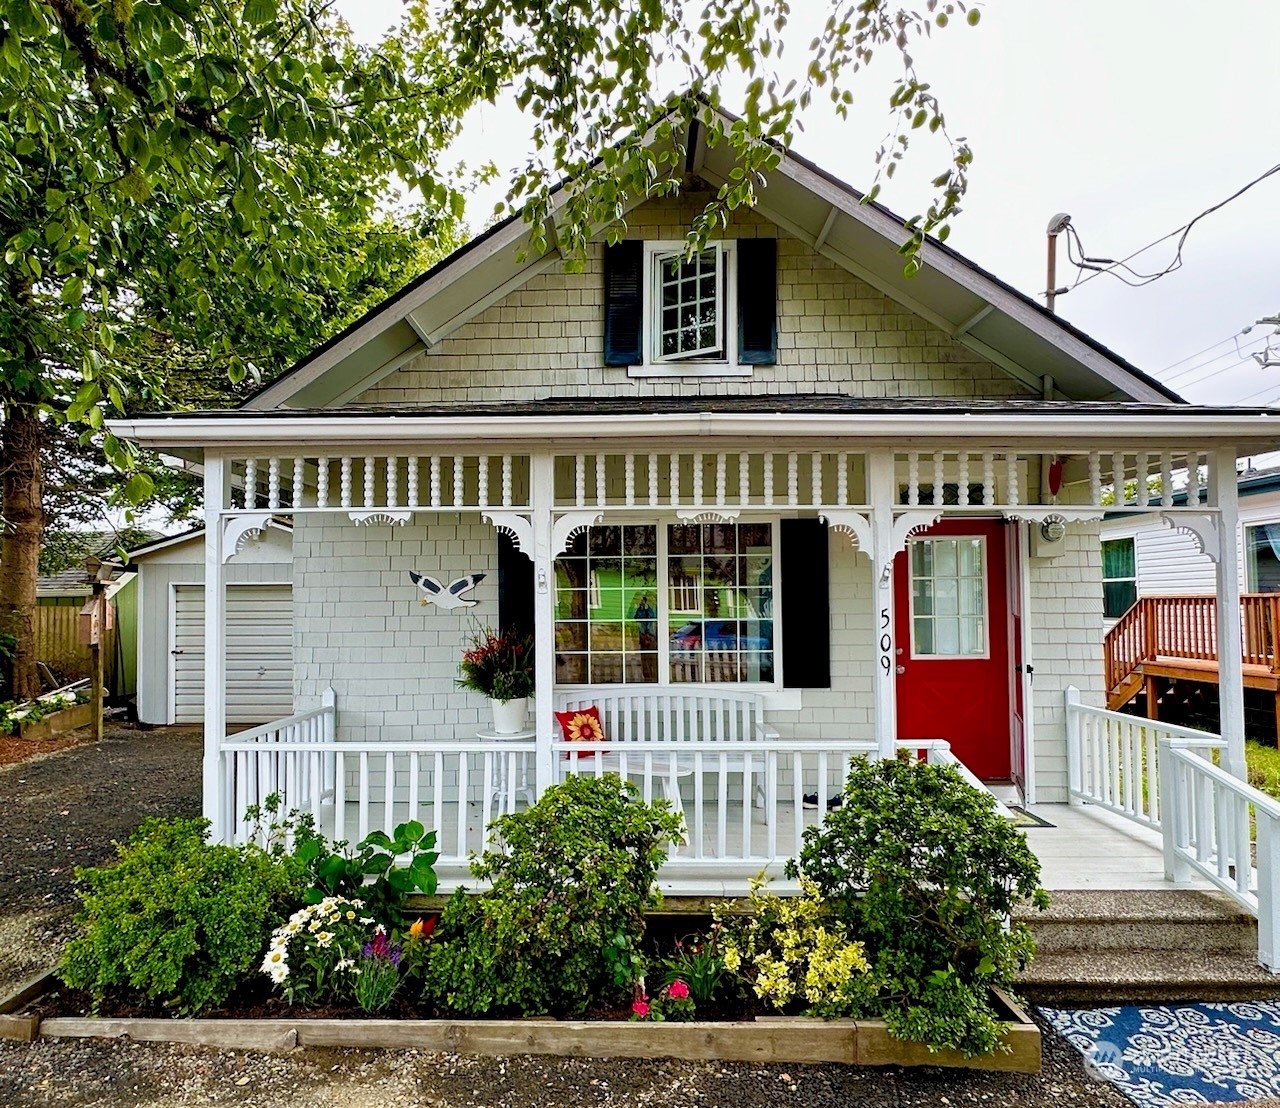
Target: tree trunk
{"type": "Point", "coordinates": [22, 490]}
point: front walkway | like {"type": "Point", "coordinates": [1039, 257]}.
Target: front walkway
{"type": "Point", "coordinates": [1089, 848]}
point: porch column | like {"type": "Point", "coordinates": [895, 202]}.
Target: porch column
{"type": "Point", "coordinates": [881, 487]}
{"type": "Point", "coordinates": [216, 487]}
{"type": "Point", "coordinates": [1223, 496]}
{"type": "Point", "coordinates": [541, 502]}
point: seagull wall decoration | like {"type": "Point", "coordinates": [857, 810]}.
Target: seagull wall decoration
{"type": "Point", "coordinates": [452, 597]}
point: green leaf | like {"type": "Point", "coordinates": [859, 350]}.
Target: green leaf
{"type": "Point", "coordinates": [375, 838]}
{"type": "Point", "coordinates": [139, 487]}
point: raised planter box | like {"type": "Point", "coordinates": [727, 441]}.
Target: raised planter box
{"type": "Point", "coordinates": [68, 719]}
{"type": "Point", "coordinates": [774, 1039]}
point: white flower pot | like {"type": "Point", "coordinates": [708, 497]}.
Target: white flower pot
{"type": "Point", "coordinates": [509, 716]}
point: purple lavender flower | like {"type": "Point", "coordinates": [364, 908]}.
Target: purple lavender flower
{"type": "Point", "coordinates": [382, 950]}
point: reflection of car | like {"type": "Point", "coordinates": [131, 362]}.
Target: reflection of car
{"type": "Point", "coordinates": [723, 634]}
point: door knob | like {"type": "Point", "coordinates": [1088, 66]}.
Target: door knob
{"type": "Point", "coordinates": [900, 669]}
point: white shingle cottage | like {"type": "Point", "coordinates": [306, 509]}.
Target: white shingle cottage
{"type": "Point", "coordinates": [767, 508]}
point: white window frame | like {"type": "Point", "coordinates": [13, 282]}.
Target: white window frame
{"type": "Point", "coordinates": [986, 600]}
{"type": "Point", "coordinates": [1132, 540]}
{"type": "Point", "coordinates": [664, 611]}
{"type": "Point", "coordinates": [1250, 562]}
{"type": "Point", "coordinates": [653, 364]}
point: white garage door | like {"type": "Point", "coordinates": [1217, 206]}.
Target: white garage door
{"type": "Point", "coordinates": [259, 653]}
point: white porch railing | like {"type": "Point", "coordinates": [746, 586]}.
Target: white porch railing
{"type": "Point", "coordinates": [1112, 759]}
{"type": "Point", "coordinates": [1211, 823]}
{"type": "Point", "coordinates": [746, 802]}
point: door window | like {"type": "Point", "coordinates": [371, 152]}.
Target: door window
{"type": "Point", "coordinates": [948, 598]}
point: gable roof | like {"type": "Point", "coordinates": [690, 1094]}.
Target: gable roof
{"type": "Point", "coordinates": [974, 307]}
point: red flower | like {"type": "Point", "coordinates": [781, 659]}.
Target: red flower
{"type": "Point", "coordinates": [641, 1007]}
{"type": "Point", "coordinates": [678, 990]}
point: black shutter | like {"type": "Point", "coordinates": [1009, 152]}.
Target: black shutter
{"type": "Point", "coordinates": [806, 605]}
{"type": "Point", "coordinates": [623, 303]}
{"type": "Point", "coordinates": [515, 588]}
{"type": "Point", "coordinates": [757, 301]}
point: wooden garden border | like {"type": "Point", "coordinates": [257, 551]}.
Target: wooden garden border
{"type": "Point", "coordinates": [767, 1039]}
{"type": "Point", "coordinates": [65, 719]}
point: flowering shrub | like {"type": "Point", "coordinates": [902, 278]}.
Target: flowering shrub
{"type": "Point", "coordinates": [377, 972]}
{"type": "Point", "coordinates": [498, 666]}
{"type": "Point", "coordinates": [698, 964]}
{"type": "Point", "coordinates": [672, 1003]}
{"type": "Point", "coordinates": [176, 920]}
{"type": "Point", "coordinates": [794, 952]}
{"type": "Point", "coordinates": [311, 957]}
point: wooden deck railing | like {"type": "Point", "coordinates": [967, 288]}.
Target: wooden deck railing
{"type": "Point", "coordinates": [1187, 627]}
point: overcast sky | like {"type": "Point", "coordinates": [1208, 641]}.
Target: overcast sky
{"type": "Point", "coordinates": [1132, 116]}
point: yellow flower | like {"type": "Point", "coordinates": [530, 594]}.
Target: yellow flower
{"type": "Point", "coordinates": [415, 929]}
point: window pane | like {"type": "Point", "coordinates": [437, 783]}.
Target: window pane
{"type": "Point", "coordinates": [1118, 597]}
{"type": "Point", "coordinates": [571, 669]}
{"type": "Point", "coordinates": [923, 642]}
{"type": "Point", "coordinates": [947, 635]}
{"type": "Point", "coordinates": [1118, 558]}
{"type": "Point", "coordinates": [1262, 546]}
{"type": "Point", "coordinates": [944, 554]}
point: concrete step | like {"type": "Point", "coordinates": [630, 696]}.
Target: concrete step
{"type": "Point", "coordinates": [1166, 977]}
{"type": "Point", "coordinates": [1151, 920]}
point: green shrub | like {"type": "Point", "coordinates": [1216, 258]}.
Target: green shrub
{"type": "Point", "coordinates": [563, 920]}
{"type": "Point", "coordinates": [1264, 767]}
{"type": "Point", "coordinates": [176, 920]}
{"type": "Point", "coordinates": [926, 873]}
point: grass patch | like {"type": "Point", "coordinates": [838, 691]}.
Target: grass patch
{"type": "Point", "coordinates": [1264, 767]}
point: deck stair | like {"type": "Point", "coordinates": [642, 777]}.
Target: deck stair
{"type": "Point", "coordinates": [1176, 637]}
{"type": "Point", "coordinates": [1155, 945]}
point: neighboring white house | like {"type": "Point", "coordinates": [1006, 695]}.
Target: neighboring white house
{"type": "Point", "coordinates": [768, 507]}
{"type": "Point", "coordinates": [1143, 557]}
{"type": "Point", "coordinates": [259, 629]}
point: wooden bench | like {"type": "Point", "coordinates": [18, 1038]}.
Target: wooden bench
{"type": "Point", "coordinates": [634, 715]}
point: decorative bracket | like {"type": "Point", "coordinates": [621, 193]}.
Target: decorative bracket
{"type": "Point", "coordinates": [565, 528]}
{"type": "Point", "coordinates": [908, 523]}
{"type": "Point", "coordinates": [239, 529]}
{"type": "Point", "coordinates": [1040, 514]}
{"type": "Point", "coordinates": [1202, 527]}
{"type": "Point", "coordinates": [390, 516]}
{"type": "Point", "coordinates": [853, 524]}
{"type": "Point", "coordinates": [709, 515]}
{"type": "Point", "coordinates": [518, 527]}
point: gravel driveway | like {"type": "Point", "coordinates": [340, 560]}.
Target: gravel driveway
{"type": "Point", "coordinates": [63, 810]}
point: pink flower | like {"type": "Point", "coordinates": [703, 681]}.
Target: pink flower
{"type": "Point", "coordinates": [677, 990]}
{"type": "Point", "coordinates": [641, 1007]}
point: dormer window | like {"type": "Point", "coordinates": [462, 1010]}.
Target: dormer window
{"type": "Point", "coordinates": [710, 314]}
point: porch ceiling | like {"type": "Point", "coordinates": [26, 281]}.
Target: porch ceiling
{"type": "Point", "coordinates": [1043, 425]}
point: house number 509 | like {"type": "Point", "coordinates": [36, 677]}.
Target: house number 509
{"type": "Point", "coordinates": [886, 642]}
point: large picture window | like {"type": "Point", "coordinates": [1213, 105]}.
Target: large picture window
{"type": "Point", "coordinates": [1119, 577]}
{"type": "Point", "coordinates": [708, 587]}
{"type": "Point", "coordinates": [1262, 557]}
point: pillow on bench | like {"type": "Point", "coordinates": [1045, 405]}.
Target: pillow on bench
{"type": "Point", "coordinates": [581, 725]}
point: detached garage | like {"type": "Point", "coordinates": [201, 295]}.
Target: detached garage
{"type": "Point", "coordinates": [259, 629]}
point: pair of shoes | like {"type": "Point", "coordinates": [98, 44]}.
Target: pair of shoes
{"type": "Point", "coordinates": [810, 801]}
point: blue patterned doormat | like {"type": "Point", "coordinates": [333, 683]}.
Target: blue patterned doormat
{"type": "Point", "coordinates": [1190, 1054]}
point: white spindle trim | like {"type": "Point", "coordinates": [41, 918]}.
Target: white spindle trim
{"type": "Point", "coordinates": [721, 478]}
{"type": "Point", "coordinates": [322, 482]}
{"type": "Point", "coordinates": [370, 473]}
{"type": "Point", "coordinates": [506, 480]}
{"type": "Point", "coordinates": [435, 480]}
{"type": "Point", "coordinates": [962, 479]}
{"type": "Point", "coordinates": [939, 478]}
{"type": "Point", "coordinates": [1013, 494]}
{"type": "Point", "coordinates": [483, 478]}
{"type": "Point", "coordinates": [697, 480]}
{"type": "Point", "coordinates": [345, 479]}
{"type": "Point", "coordinates": [651, 475]}
{"type": "Point", "coordinates": [580, 480]}
{"type": "Point", "coordinates": [1193, 479]}
{"type": "Point", "coordinates": [793, 479]}
{"type": "Point", "coordinates": [600, 480]}
{"type": "Point", "coordinates": [298, 489]}
{"type": "Point", "coordinates": [1143, 462]}
{"type": "Point", "coordinates": [768, 480]}
{"type": "Point", "coordinates": [393, 482]}
{"type": "Point", "coordinates": [1166, 480]}
{"type": "Point", "coordinates": [1095, 479]}
{"type": "Point", "coordinates": [251, 482]}
{"type": "Point", "coordinates": [744, 478]}
{"type": "Point", "coordinates": [411, 480]}
{"type": "Point", "coordinates": [273, 482]}
{"type": "Point", "coordinates": [913, 478]}
{"type": "Point", "coordinates": [815, 479]}
{"type": "Point", "coordinates": [1117, 478]}
{"type": "Point", "coordinates": [988, 479]}
{"type": "Point", "coordinates": [459, 475]}
{"type": "Point", "coordinates": [673, 466]}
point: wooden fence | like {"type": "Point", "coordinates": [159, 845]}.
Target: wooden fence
{"type": "Point", "coordinates": [58, 644]}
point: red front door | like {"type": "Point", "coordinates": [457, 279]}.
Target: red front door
{"type": "Point", "coordinates": [952, 627]}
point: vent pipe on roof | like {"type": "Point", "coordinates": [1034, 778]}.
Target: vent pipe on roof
{"type": "Point", "coordinates": [1057, 225]}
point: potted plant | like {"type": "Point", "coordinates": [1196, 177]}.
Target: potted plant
{"type": "Point", "coordinates": [500, 666]}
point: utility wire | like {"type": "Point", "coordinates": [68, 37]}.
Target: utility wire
{"type": "Point", "coordinates": [1206, 350]}
{"type": "Point", "coordinates": [1094, 267]}
{"type": "Point", "coordinates": [1239, 354]}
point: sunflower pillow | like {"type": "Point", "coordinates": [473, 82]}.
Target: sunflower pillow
{"type": "Point", "coordinates": [581, 725]}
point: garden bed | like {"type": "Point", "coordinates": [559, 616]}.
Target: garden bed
{"type": "Point", "coordinates": [66, 719]}
{"type": "Point", "coordinates": [764, 1039]}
